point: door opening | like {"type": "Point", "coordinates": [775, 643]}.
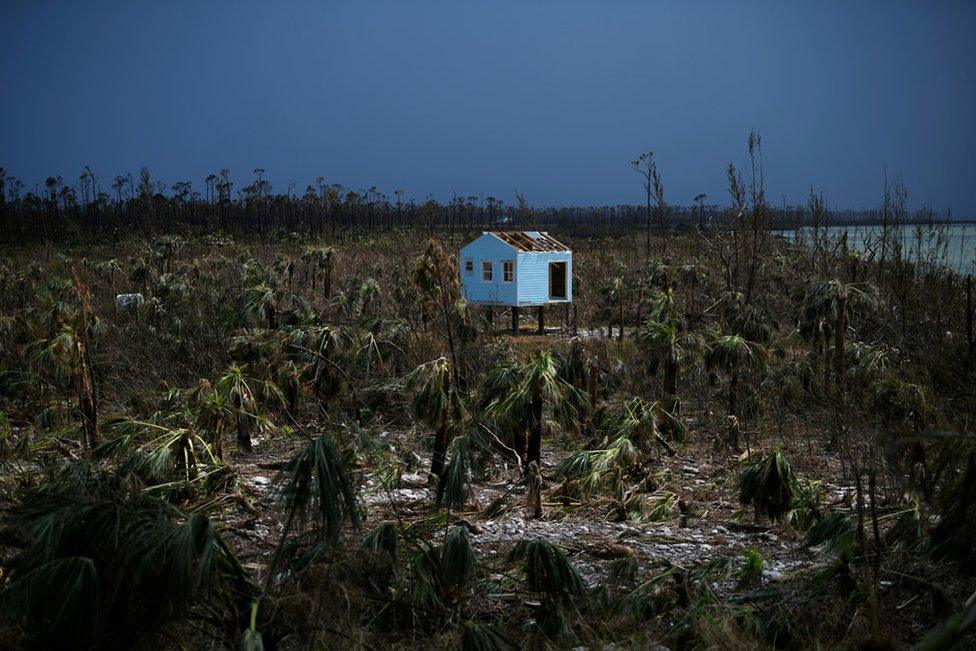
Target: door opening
{"type": "Point", "coordinates": [557, 280]}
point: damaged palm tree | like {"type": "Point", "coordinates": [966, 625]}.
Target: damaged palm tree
{"type": "Point", "coordinates": [826, 310]}
{"type": "Point", "coordinates": [733, 354]}
{"type": "Point", "coordinates": [667, 341]}
{"type": "Point", "coordinates": [524, 391]}
{"type": "Point", "coordinates": [67, 348]}
{"type": "Point", "coordinates": [435, 273]}
{"type": "Point", "coordinates": [438, 404]}
{"type": "Point", "coordinates": [768, 484]}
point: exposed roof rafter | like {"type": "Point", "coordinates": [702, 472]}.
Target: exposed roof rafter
{"type": "Point", "coordinates": [530, 240]}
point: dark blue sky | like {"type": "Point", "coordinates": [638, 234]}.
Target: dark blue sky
{"type": "Point", "coordinates": [551, 98]}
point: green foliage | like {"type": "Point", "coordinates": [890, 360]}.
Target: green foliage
{"type": "Point", "coordinates": [955, 534]}
{"type": "Point", "coordinates": [104, 561]}
{"type": "Point", "coordinates": [440, 574]}
{"type": "Point", "coordinates": [457, 559]}
{"type": "Point", "coordinates": [485, 637]}
{"type": "Point", "coordinates": [835, 531]}
{"type": "Point", "coordinates": [768, 484]}
{"type": "Point", "coordinates": [750, 572]}
{"type": "Point", "coordinates": [547, 570]}
{"type": "Point", "coordinates": [464, 458]}
{"type": "Point", "coordinates": [383, 538]}
{"type": "Point", "coordinates": [317, 490]}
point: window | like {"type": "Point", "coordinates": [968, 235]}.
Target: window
{"type": "Point", "coordinates": [508, 271]}
{"type": "Point", "coordinates": [486, 270]}
{"type": "Point", "coordinates": [468, 266]}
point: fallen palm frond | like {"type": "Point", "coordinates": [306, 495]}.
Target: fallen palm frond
{"type": "Point", "coordinates": [649, 597]}
{"type": "Point", "coordinates": [955, 534]}
{"type": "Point", "coordinates": [464, 456]}
{"type": "Point", "coordinates": [596, 471]}
{"type": "Point", "coordinates": [317, 490]}
{"type": "Point", "coordinates": [547, 570]}
{"type": "Point", "coordinates": [833, 532]}
{"type": "Point", "coordinates": [485, 637]}
{"type": "Point", "coordinates": [106, 562]}
{"type": "Point", "coordinates": [953, 630]}
{"type": "Point", "coordinates": [158, 454]}
{"type": "Point", "coordinates": [383, 538]}
{"type": "Point", "coordinates": [768, 484]}
{"type": "Point", "coordinates": [438, 575]}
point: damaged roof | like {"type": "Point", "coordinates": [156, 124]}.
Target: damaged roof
{"type": "Point", "coordinates": [530, 240]}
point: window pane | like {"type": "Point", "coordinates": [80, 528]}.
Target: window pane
{"type": "Point", "coordinates": [486, 270]}
{"type": "Point", "coordinates": [508, 271]}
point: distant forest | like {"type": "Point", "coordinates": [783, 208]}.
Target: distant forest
{"type": "Point", "coordinates": [95, 207]}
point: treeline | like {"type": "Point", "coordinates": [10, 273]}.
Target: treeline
{"type": "Point", "coordinates": [98, 208]}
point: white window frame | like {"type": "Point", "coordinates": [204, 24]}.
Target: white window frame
{"type": "Point", "coordinates": [487, 271]}
{"type": "Point", "coordinates": [508, 271]}
{"type": "Point", "coordinates": [468, 266]}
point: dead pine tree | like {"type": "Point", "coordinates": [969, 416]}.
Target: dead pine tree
{"type": "Point", "coordinates": [81, 369]}
{"type": "Point", "coordinates": [653, 188]}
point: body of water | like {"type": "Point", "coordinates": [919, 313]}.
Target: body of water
{"type": "Point", "coordinates": [947, 245]}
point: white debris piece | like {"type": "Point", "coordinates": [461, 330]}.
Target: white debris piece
{"type": "Point", "coordinates": [129, 302]}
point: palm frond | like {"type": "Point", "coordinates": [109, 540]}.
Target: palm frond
{"type": "Point", "coordinates": [463, 462]}
{"type": "Point", "coordinates": [382, 539]}
{"type": "Point", "coordinates": [768, 483]}
{"type": "Point", "coordinates": [457, 559]}
{"type": "Point", "coordinates": [58, 600]}
{"type": "Point", "coordinates": [318, 490]}
{"type": "Point", "coordinates": [485, 637]}
{"type": "Point", "coordinates": [547, 570]}
{"type": "Point", "coordinates": [833, 532]}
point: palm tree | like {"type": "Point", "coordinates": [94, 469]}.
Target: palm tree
{"type": "Point", "coordinates": [65, 345]}
{"type": "Point", "coordinates": [320, 347]}
{"type": "Point", "coordinates": [261, 303]}
{"type": "Point", "coordinates": [67, 352]}
{"type": "Point", "coordinates": [436, 403]}
{"type": "Point", "coordinates": [732, 353]}
{"type": "Point", "coordinates": [320, 261]}
{"type": "Point", "coordinates": [613, 297]}
{"type": "Point", "coordinates": [101, 563]}
{"type": "Point", "coordinates": [524, 391]}
{"type": "Point", "coordinates": [826, 308]}
{"type": "Point", "coordinates": [211, 413]}
{"type": "Point", "coordinates": [666, 341]}
{"type": "Point", "coordinates": [244, 397]}
{"type": "Point", "coordinates": [768, 484]}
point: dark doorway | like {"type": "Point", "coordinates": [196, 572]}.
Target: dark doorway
{"type": "Point", "coordinates": [557, 280]}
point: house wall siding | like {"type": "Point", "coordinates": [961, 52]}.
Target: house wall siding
{"type": "Point", "coordinates": [474, 289]}
{"type": "Point", "coordinates": [533, 276]}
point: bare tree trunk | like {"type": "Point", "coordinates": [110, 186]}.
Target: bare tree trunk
{"type": "Point", "coordinates": [440, 451]}
{"type": "Point", "coordinates": [85, 388]}
{"type": "Point", "coordinates": [839, 334]}
{"type": "Point", "coordinates": [620, 321]}
{"type": "Point", "coordinates": [733, 391]}
{"type": "Point", "coordinates": [535, 436]}
{"type": "Point", "coordinates": [671, 381]}
{"type": "Point", "coordinates": [970, 340]}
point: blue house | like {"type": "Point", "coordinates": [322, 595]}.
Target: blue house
{"type": "Point", "coordinates": [516, 269]}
